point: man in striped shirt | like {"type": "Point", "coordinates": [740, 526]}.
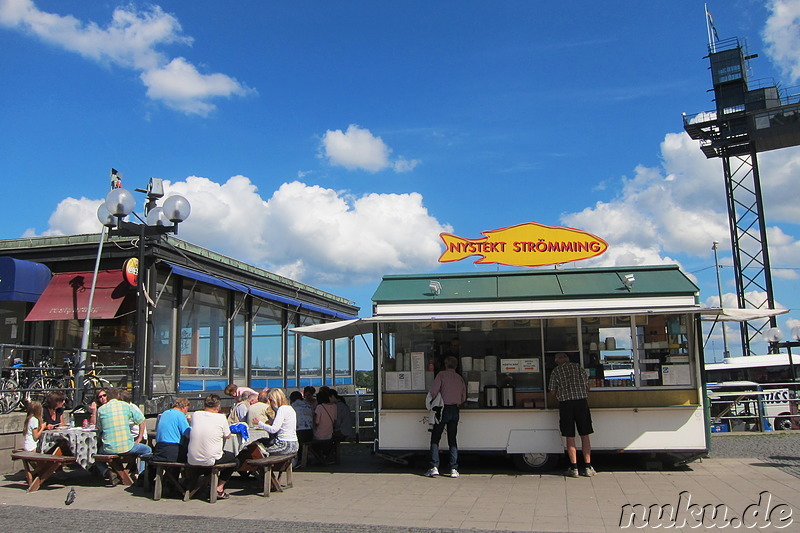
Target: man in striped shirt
{"type": "Point", "coordinates": [570, 386]}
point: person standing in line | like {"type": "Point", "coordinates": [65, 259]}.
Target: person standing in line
{"type": "Point", "coordinates": [570, 386]}
{"type": "Point", "coordinates": [453, 390]}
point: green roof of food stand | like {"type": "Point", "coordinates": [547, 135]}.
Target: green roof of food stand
{"type": "Point", "coordinates": [573, 284]}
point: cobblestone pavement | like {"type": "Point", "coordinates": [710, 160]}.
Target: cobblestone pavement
{"type": "Point", "coordinates": [23, 519]}
{"type": "Point", "coordinates": [779, 449]}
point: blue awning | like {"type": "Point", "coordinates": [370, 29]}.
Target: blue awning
{"type": "Point", "coordinates": [22, 281]}
{"type": "Point", "coordinates": [259, 293]}
{"type": "Point", "coordinates": [208, 278]}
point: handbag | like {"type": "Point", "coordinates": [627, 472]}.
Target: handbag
{"type": "Point", "coordinates": [337, 433]}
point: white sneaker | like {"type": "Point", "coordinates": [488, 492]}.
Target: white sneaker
{"type": "Point", "coordinates": [453, 473]}
{"type": "Point", "coordinates": [433, 472]}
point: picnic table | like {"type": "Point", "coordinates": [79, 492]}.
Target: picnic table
{"type": "Point", "coordinates": [78, 442]}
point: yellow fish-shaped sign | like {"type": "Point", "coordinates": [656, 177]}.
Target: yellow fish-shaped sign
{"type": "Point", "coordinates": [528, 244]}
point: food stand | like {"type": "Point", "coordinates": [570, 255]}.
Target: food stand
{"type": "Point", "coordinates": [506, 327]}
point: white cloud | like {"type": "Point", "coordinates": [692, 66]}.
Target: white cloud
{"type": "Point", "coordinates": [357, 148]}
{"type": "Point", "coordinates": [304, 232]}
{"type": "Point", "coordinates": [679, 208]}
{"type": "Point", "coordinates": [130, 41]}
{"type": "Point", "coordinates": [782, 36]}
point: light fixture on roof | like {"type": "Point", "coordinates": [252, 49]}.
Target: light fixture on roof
{"type": "Point", "coordinates": [773, 335]}
{"type": "Point", "coordinates": [435, 287]}
{"type": "Point", "coordinates": [628, 280]}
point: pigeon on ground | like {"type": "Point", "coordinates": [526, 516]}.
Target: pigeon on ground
{"type": "Point", "coordinates": [70, 497]}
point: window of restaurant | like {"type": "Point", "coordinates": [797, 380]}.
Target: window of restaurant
{"type": "Point", "coordinates": [239, 328]}
{"type": "Point", "coordinates": [291, 351]}
{"type": "Point", "coordinates": [342, 361]}
{"type": "Point", "coordinates": [204, 338]}
{"type": "Point", "coordinates": [311, 356]}
{"type": "Point", "coordinates": [163, 343]}
{"type": "Point", "coordinates": [266, 365]}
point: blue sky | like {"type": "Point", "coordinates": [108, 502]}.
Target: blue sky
{"type": "Point", "coordinates": [332, 142]}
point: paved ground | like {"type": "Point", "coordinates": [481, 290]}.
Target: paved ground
{"type": "Point", "coordinates": [366, 494]}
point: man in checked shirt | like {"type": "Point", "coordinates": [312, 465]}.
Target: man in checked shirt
{"type": "Point", "coordinates": [114, 426]}
{"type": "Point", "coordinates": [453, 390]}
{"type": "Point", "coordinates": [570, 386]}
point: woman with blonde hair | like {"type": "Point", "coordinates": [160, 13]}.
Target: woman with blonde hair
{"type": "Point", "coordinates": [284, 425]}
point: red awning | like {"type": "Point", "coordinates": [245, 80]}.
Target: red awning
{"type": "Point", "coordinates": [67, 296]}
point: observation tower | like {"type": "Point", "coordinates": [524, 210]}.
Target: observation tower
{"type": "Point", "coordinates": [750, 117]}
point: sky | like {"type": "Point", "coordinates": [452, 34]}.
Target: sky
{"type": "Point", "coordinates": [332, 142]}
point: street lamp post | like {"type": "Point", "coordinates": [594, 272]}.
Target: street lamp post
{"type": "Point", "coordinates": [175, 209]}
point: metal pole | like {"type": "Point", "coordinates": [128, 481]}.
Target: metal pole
{"type": "Point", "coordinates": [141, 322]}
{"type": "Point", "coordinates": [80, 359]}
{"type": "Point", "coordinates": [725, 353]}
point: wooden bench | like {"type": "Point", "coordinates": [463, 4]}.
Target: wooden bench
{"type": "Point", "coordinates": [40, 466]}
{"type": "Point", "coordinates": [271, 469]}
{"type": "Point", "coordinates": [167, 469]}
{"type": "Point", "coordinates": [120, 463]}
{"type": "Point", "coordinates": [313, 446]}
{"type": "Point", "coordinates": [212, 480]}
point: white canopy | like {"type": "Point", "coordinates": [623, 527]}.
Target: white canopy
{"type": "Point", "coordinates": [364, 326]}
{"type": "Point", "coordinates": [336, 330]}
{"type": "Point", "coordinates": [740, 315]}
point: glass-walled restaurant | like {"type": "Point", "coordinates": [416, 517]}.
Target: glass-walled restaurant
{"type": "Point", "coordinates": [215, 335]}
{"type": "Point", "coordinates": [210, 320]}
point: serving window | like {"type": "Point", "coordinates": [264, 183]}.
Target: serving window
{"type": "Point", "coordinates": [618, 352]}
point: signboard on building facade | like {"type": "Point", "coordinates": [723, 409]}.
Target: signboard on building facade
{"type": "Point", "coordinates": [528, 244]}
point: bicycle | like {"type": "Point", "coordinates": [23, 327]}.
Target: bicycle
{"type": "Point", "coordinates": [92, 382]}
{"type": "Point", "coordinates": [42, 382]}
{"type": "Point", "coordinates": [10, 393]}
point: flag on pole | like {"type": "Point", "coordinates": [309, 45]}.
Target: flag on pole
{"type": "Point", "coordinates": [711, 25]}
{"type": "Point", "coordinates": [116, 179]}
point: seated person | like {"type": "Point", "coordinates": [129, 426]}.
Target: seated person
{"type": "Point", "coordinates": [324, 419]}
{"type": "Point", "coordinates": [100, 399]}
{"type": "Point", "coordinates": [239, 411]}
{"type": "Point", "coordinates": [206, 440]}
{"type": "Point", "coordinates": [324, 416]}
{"type": "Point", "coordinates": [136, 429]}
{"type": "Point", "coordinates": [172, 433]}
{"type": "Point", "coordinates": [33, 427]}
{"type": "Point", "coordinates": [305, 416]}
{"type": "Point", "coordinates": [344, 418]}
{"type": "Point", "coordinates": [114, 429]}
{"type": "Point", "coordinates": [53, 412]}
{"type": "Point", "coordinates": [283, 426]}
{"type": "Point", "coordinates": [261, 410]}
{"type": "Point", "coordinates": [310, 395]}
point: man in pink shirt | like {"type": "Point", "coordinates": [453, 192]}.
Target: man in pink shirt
{"type": "Point", "coordinates": [453, 390]}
